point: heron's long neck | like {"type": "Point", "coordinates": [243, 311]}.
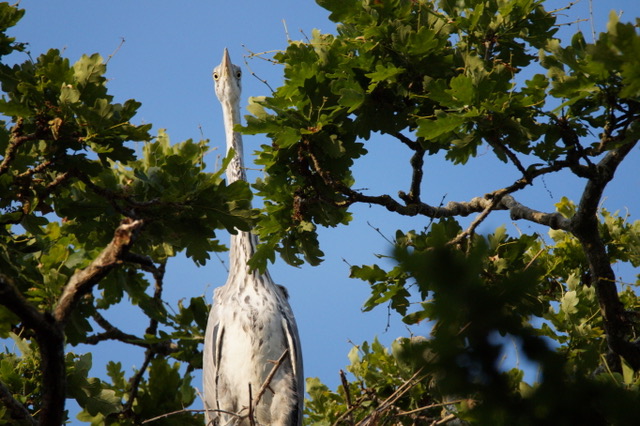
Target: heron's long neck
{"type": "Point", "coordinates": [243, 244]}
{"type": "Point", "coordinates": [235, 171]}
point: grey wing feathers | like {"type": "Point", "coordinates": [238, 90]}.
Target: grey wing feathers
{"type": "Point", "coordinates": [283, 290]}
{"type": "Point", "coordinates": [211, 357]}
{"type": "Point", "coordinates": [295, 355]}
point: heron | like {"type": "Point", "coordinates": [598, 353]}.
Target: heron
{"type": "Point", "coordinates": [252, 360]}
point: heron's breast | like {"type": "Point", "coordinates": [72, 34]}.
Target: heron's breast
{"type": "Point", "coordinates": [256, 321]}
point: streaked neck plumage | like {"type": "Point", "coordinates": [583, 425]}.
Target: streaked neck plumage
{"type": "Point", "coordinates": [228, 88]}
{"type": "Point", "coordinates": [235, 171]}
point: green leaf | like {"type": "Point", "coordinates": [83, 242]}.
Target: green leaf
{"type": "Point", "coordinates": [443, 124]}
{"type": "Point", "coordinates": [351, 99]}
{"type": "Point", "coordinates": [569, 302]}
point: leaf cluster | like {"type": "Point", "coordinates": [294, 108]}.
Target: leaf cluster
{"type": "Point", "coordinates": [452, 78]}
{"type": "Point", "coordinates": [436, 77]}
{"type": "Point", "coordinates": [499, 292]}
{"type": "Point", "coordinates": [338, 90]}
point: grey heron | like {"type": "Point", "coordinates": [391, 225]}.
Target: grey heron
{"type": "Point", "coordinates": [252, 361]}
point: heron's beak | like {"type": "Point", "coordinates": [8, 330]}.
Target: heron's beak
{"type": "Point", "coordinates": [225, 67]}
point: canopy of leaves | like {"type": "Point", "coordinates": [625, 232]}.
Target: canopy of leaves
{"type": "Point", "coordinates": [460, 78]}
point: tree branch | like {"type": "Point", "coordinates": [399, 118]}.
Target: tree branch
{"type": "Point", "coordinates": [405, 140]}
{"type": "Point", "coordinates": [413, 207]}
{"type": "Point", "coordinates": [158, 275]}
{"type": "Point", "coordinates": [15, 407]}
{"type": "Point", "coordinates": [477, 221]}
{"type": "Point", "coordinates": [183, 411]}
{"type": "Point", "coordinates": [498, 145]}
{"type": "Point", "coordinates": [387, 404]}
{"type": "Point", "coordinates": [584, 225]}
{"type": "Point", "coordinates": [15, 141]}
{"type": "Point", "coordinates": [111, 332]}
{"type": "Point", "coordinates": [417, 163]}
{"type": "Point", "coordinates": [267, 381]}
{"type": "Point", "coordinates": [575, 150]}
{"type": "Point", "coordinates": [50, 339]}
{"type": "Point", "coordinates": [518, 211]}
{"type": "Point", "coordinates": [83, 280]}
{"type": "Point", "coordinates": [134, 383]}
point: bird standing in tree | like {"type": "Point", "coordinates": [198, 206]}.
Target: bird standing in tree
{"type": "Point", "coordinates": [252, 362]}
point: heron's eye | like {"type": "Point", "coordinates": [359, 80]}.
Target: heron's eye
{"type": "Point", "coordinates": [238, 74]}
{"type": "Point", "coordinates": [216, 76]}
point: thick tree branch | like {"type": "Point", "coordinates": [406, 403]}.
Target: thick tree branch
{"type": "Point", "coordinates": [584, 225]}
{"type": "Point", "coordinates": [405, 140]}
{"type": "Point", "coordinates": [414, 207]}
{"type": "Point", "coordinates": [83, 280]}
{"type": "Point", "coordinates": [518, 211]}
{"type": "Point", "coordinates": [476, 222]}
{"type": "Point", "coordinates": [11, 297]}
{"type": "Point", "coordinates": [50, 339]}
{"type": "Point", "coordinates": [16, 409]}
{"type": "Point", "coordinates": [417, 163]}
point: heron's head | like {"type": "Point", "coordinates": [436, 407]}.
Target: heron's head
{"type": "Point", "coordinates": [227, 80]}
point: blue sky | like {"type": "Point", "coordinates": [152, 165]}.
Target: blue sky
{"type": "Point", "coordinates": [165, 62]}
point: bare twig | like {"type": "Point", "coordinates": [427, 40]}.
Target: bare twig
{"type": "Point", "coordinates": [184, 411]}
{"type": "Point", "coordinates": [286, 30]}
{"type": "Point", "coordinates": [113, 333]}
{"type": "Point", "coordinates": [380, 233]}
{"type": "Point", "coordinates": [498, 145]}
{"type": "Point", "coordinates": [349, 412]}
{"type": "Point", "coordinates": [567, 7]}
{"type": "Point", "coordinates": [592, 21]}
{"type": "Point", "coordinates": [172, 413]}
{"type": "Point", "coordinates": [427, 407]}
{"type": "Point", "coordinates": [115, 51]}
{"type": "Point", "coordinates": [252, 420]}
{"type": "Point", "coordinates": [267, 381]}
{"type": "Point", "coordinates": [445, 419]}
{"type": "Point", "coordinates": [387, 404]}
{"type": "Point", "coordinates": [263, 81]}
{"type": "Point", "coordinates": [347, 394]}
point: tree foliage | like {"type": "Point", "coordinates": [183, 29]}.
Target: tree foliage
{"type": "Point", "coordinates": [460, 78]}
